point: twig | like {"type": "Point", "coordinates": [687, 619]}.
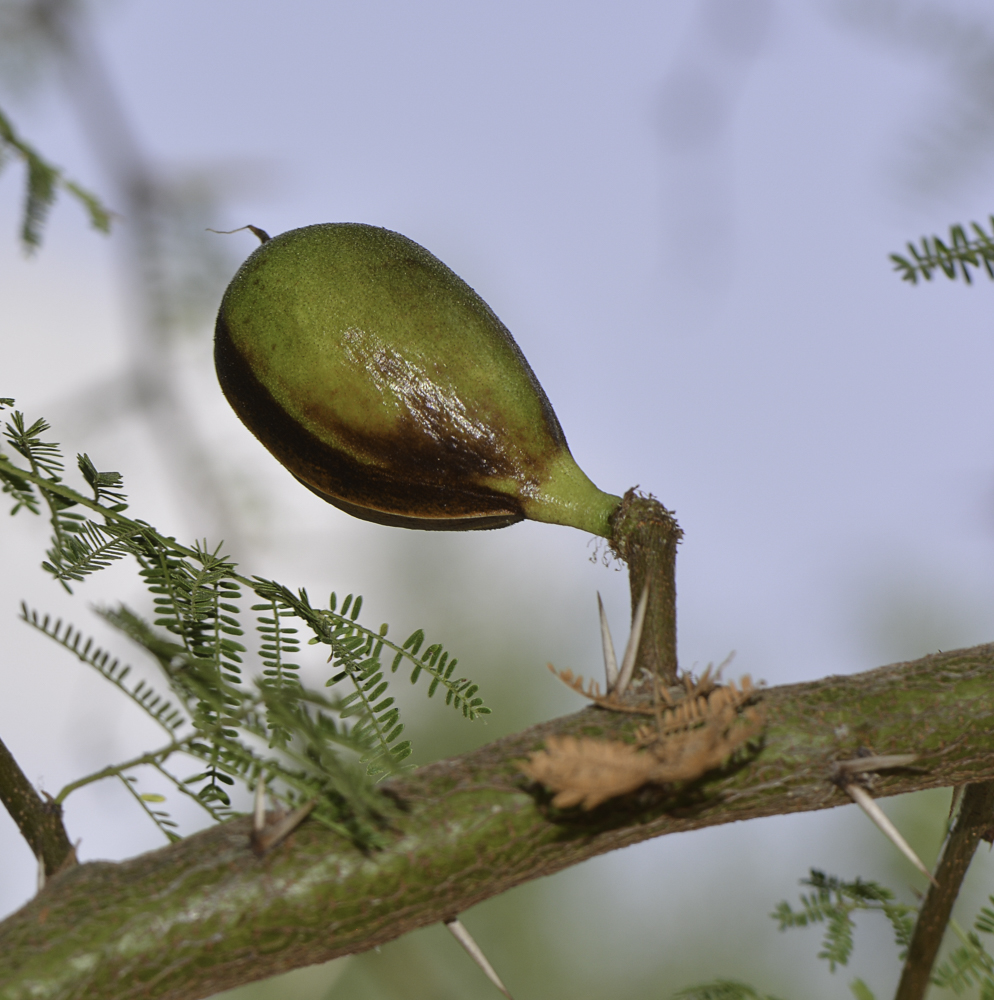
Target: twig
{"type": "Point", "coordinates": [40, 822]}
{"type": "Point", "coordinates": [975, 819]}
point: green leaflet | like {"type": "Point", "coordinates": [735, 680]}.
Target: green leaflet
{"type": "Point", "coordinates": [953, 257]}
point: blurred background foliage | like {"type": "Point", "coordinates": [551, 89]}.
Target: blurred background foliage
{"type": "Point", "coordinates": [683, 211]}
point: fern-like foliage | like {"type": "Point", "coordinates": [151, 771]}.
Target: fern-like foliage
{"type": "Point", "coordinates": [967, 966]}
{"type": "Point", "coordinates": [307, 745]}
{"type": "Point", "coordinates": [44, 181]}
{"type": "Point", "coordinates": [278, 641]}
{"type": "Point", "coordinates": [970, 964]}
{"type": "Point", "coordinates": [161, 709]}
{"type": "Point", "coordinates": [833, 902]}
{"type": "Point", "coordinates": [953, 256]}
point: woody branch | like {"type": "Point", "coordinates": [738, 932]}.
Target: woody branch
{"type": "Point", "coordinates": [207, 914]}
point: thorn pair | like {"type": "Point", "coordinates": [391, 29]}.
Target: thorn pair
{"type": "Point", "coordinates": [617, 681]}
{"type": "Point", "coordinates": [266, 835]}
{"type": "Point", "coordinates": [463, 936]}
{"type": "Point", "coordinates": [846, 777]}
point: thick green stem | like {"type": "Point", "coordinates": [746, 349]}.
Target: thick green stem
{"type": "Point", "coordinates": [645, 535]}
{"type": "Point", "coordinates": [975, 820]}
{"type": "Point", "coordinates": [40, 822]}
{"type": "Point", "coordinates": [206, 914]}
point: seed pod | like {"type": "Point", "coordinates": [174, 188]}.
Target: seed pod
{"type": "Point", "coordinates": [387, 386]}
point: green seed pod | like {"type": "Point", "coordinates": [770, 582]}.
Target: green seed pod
{"type": "Point", "coordinates": [387, 386]}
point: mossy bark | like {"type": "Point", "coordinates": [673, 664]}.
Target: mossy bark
{"type": "Point", "coordinates": [206, 914]}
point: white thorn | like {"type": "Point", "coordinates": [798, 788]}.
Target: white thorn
{"type": "Point", "coordinates": [865, 801]}
{"type": "Point", "coordinates": [860, 765]}
{"type": "Point", "coordinates": [610, 660]}
{"type": "Point", "coordinates": [955, 801]}
{"type": "Point", "coordinates": [267, 838]}
{"type": "Point", "coordinates": [463, 936]}
{"type": "Point", "coordinates": [259, 813]}
{"type": "Point", "coordinates": [631, 650]}
{"type": "Point", "coordinates": [41, 873]}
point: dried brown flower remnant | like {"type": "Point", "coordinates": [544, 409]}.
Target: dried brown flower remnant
{"type": "Point", "coordinates": [686, 756]}
{"type": "Point", "coordinates": [695, 709]}
{"type": "Point", "coordinates": [681, 707]}
{"type": "Point", "coordinates": [587, 772]}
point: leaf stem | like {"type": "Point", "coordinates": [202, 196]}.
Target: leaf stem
{"type": "Point", "coordinates": [154, 757]}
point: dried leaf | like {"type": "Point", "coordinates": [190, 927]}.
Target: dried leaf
{"type": "Point", "coordinates": [587, 772]}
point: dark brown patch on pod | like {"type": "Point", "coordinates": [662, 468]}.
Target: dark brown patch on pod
{"type": "Point", "coordinates": [424, 492]}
